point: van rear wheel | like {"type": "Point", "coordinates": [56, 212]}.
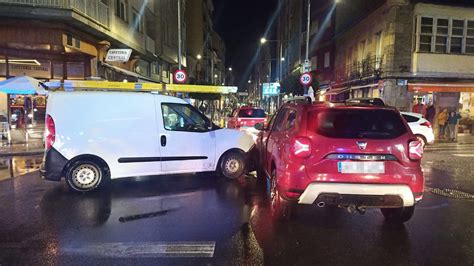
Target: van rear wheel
{"type": "Point", "coordinates": [232, 165]}
{"type": "Point", "coordinates": [85, 176]}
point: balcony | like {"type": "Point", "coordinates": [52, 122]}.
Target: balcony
{"type": "Point", "coordinates": [369, 67]}
{"type": "Point", "coordinates": [92, 9]}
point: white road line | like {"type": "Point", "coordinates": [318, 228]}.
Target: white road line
{"type": "Point", "coordinates": [463, 155]}
{"type": "Point", "coordinates": [153, 249]}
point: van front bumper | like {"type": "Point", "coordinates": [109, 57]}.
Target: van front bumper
{"type": "Point", "coordinates": [53, 165]}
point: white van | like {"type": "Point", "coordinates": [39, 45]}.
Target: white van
{"type": "Point", "coordinates": [92, 137]}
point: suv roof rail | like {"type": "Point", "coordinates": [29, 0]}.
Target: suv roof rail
{"type": "Point", "coordinates": [365, 102]}
{"type": "Point", "coordinates": [299, 99]}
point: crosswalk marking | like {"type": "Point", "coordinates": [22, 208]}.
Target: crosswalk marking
{"type": "Point", "coordinates": [463, 155]}
{"type": "Point", "coordinates": [152, 249]}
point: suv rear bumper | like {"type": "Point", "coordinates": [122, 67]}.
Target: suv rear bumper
{"type": "Point", "coordinates": [314, 190]}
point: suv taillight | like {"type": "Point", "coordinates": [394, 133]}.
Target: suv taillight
{"type": "Point", "coordinates": [50, 132]}
{"type": "Point", "coordinates": [426, 124]}
{"type": "Point", "coordinates": [301, 147]}
{"type": "Point", "coordinates": [415, 150]}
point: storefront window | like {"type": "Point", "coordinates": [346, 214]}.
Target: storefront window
{"type": "Point", "coordinates": [75, 70]}
{"type": "Point", "coordinates": [57, 70]}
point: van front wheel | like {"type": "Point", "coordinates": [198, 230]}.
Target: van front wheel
{"type": "Point", "coordinates": [85, 176]}
{"type": "Point", "coordinates": [232, 165]}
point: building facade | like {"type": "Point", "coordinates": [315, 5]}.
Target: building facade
{"type": "Point", "coordinates": [66, 39]}
{"type": "Point", "coordinates": [407, 51]}
{"type": "Point", "coordinates": [205, 48]}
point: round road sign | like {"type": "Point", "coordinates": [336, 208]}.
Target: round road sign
{"type": "Point", "coordinates": [180, 76]}
{"type": "Point", "coordinates": [306, 79]}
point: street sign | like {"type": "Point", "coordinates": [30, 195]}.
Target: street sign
{"type": "Point", "coordinates": [180, 76]}
{"type": "Point", "coordinates": [118, 55]}
{"type": "Point", "coordinates": [306, 79]}
{"type": "Point", "coordinates": [306, 66]}
{"type": "Point", "coordinates": [271, 89]}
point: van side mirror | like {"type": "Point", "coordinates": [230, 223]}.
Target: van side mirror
{"type": "Point", "coordinates": [259, 126]}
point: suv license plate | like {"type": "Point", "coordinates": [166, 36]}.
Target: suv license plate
{"type": "Point", "coordinates": [361, 167]}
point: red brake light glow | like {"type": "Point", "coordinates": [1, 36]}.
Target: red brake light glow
{"type": "Point", "coordinates": [301, 147]}
{"type": "Point", "coordinates": [50, 132]}
{"type": "Point", "coordinates": [415, 150]}
{"type": "Point", "coordinates": [426, 124]}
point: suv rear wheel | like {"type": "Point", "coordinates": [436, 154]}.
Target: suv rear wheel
{"type": "Point", "coordinates": [281, 208]}
{"type": "Point", "coordinates": [86, 175]}
{"type": "Point", "coordinates": [398, 215]}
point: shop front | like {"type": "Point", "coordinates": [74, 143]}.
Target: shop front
{"type": "Point", "coordinates": [454, 97]}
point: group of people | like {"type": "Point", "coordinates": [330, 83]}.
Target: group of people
{"type": "Point", "coordinates": [447, 121]}
{"type": "Point", "coordinates": [447, 124]}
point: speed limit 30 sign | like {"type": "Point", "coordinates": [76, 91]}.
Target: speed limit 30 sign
{"type": "Point", "coordinates": [306, 79]}
{"type": "Point", "coordinates": [180, 76]}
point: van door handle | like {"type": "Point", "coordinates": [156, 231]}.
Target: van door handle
{"type": "Point", "coordinates": [163, 141]}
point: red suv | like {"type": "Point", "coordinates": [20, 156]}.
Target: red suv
{"type": "Point", "coordinates": [350, 156]}
{"type": "Point", "coordinates": [246, 117]}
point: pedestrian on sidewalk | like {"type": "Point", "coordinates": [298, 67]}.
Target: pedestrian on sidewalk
{"type": "Point", "coordinates": [442, 120]}
{"type": "Point", "coordinates": [430, 113]}
{"type": "Point", "coordinates": [452, 122]}
{"type": "Point", "coordinates": [419, 107]}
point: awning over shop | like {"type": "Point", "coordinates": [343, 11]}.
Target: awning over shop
{"type": "Point", "coordinates": [22, 85]}
{"type": "Point", "coordinates": [441, 87]}
{"type": "Point", "coordinates": [200, 88]}
{"type": "Point", "coordinates": [69, 85]}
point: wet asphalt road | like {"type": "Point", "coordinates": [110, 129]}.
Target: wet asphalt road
{"type": "Point", "coordinates": [206, 220]}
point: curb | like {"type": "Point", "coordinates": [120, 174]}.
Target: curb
{"type": "Point", "coordinates": [21, 153]}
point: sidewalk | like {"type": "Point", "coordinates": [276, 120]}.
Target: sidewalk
{"type": "Point", "coordinates": [32, 148]}
{"type": "Point", "coordinates": [461, 139]}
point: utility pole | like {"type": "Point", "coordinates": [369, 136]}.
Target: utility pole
{"type": "Point", "coordinates": [179, 35]}
{"type": "Point", "coordinates": [307, 31]}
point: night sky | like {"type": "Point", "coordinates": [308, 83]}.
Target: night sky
{"type": "Point", "coordinates": [241, 23]}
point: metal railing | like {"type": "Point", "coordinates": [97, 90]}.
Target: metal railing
{"type": "Point", "coordinates": [371, 66]}
{"type": "Point", "coordinates": [93, 9]}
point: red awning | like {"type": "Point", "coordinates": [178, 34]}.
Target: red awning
{"type": "Point", "coordinates": [441, 87]}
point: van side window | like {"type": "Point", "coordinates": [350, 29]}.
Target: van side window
{"type": "Point", "coordinates": [183, 117]}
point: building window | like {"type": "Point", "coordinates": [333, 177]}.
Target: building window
{"type": "Point", "coordinates": [457, 34]}
{"type": "Point", "coordinates": [121, 7]}
{"type": "Point", "coordinates": [470, 38]}
{"type": "Point", "coordinates": [426, 34]}
{"type": "Point", "coordinates": [445, 35]}
{"type": "Point", "coordinates": [137, 21]}
{"type": "Point", "coordinates": [442, 29]}
{"type": "Point", "coordinates": [327, 59]}
{"type": "Point", "coordinates": [378, 49]}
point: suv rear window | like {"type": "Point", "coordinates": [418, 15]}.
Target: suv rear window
{"type": "Point", "coordinates": [252, 113]}
{"type": "Point", "coordinates": [352, 123]}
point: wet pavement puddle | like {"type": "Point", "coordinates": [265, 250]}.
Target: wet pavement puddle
{"type": "Point", "coordinates": [147, 250]}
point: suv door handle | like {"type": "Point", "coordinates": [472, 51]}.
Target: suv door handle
{"type": "Point", "coordinates": [163, 140]}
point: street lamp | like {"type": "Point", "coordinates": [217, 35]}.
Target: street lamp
{"type": "Point", "coordinates": [199, 57]}
{"type": "Point", "coordinates": [282, 59]}
{"type": "Point", "coordinates": [230, 68]}
{"type": "Point", "coordinates": [249, 81]}
{"type": "Point", "coordinates": [263, 40]}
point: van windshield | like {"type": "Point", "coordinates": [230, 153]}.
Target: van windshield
{"type": "Point", "coordinates": [357, 123]}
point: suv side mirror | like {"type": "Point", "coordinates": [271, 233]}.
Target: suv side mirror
{"type": "Point", "coordinates": [259, 126]}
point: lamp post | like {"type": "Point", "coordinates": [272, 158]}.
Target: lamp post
{"type": "Point", "coordinates": [263, 41]}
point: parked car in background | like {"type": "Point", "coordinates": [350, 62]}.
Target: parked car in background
{"type": "Point", "coordinates": [353, 157]}
{"type": "Point", "coordinates": [246, 117]}
{"type": "Point", "coordinates": [421, 127]}
{"type": "Point", "coordinates": [126, 134]}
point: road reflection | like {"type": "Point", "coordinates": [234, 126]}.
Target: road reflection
{"type": "Point", "coordinates": [16, 166]}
